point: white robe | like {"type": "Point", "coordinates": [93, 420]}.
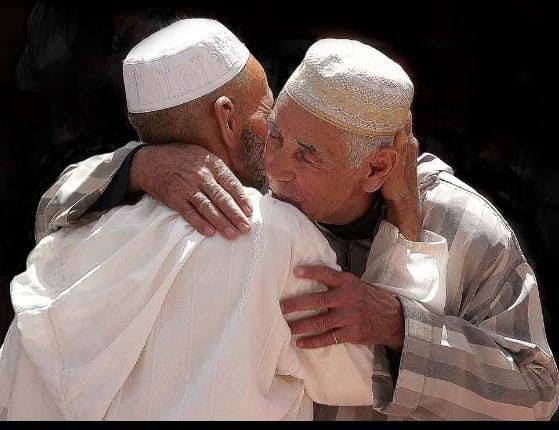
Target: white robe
{"type": "Point", "coordinates": [137, 316]}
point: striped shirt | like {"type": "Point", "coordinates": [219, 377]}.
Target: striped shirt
{"type": "Point", "coordinates": [486, 357]}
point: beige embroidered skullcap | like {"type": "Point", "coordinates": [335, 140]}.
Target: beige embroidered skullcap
{"type": "Point", "coordinates": [181, 63]}
{"type": "Point", "coordinates": [353, 86]}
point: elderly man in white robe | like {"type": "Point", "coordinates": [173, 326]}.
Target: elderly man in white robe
{"type": "Point", "coordinates": [138, 316]}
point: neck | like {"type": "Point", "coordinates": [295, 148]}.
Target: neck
{"type": "Point", "coordinates": [209, 141]}
{"type": "Point", "coordinates": [216, 147]}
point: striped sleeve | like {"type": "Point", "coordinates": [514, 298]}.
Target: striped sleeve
{"type": "Point", "coordinates": [453, 369]}
{"type": "Point", "coordinates": [76, 190]}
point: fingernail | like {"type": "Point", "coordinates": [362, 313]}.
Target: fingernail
{"type": "Point", "coordinates": [230, 233]}
{"type": "Point", "coordinates": [208, 231]}
{"type": "Point", "coordinates": [247, 210]}
{"type": "Point", "coordinates": [245, 228]}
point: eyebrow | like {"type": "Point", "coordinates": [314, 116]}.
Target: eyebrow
{"type": "Point", "coordinates": [309, 148]}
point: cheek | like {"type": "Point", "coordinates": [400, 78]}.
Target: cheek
{"type": "Point", "coordinates": [272, 159]}
{"type": "Point", "coordinates": [259, 126]}
{"type": "Point", "coordinates": [322, 189]}
{"type": "Point", "coordinates": [314, 195]}
{"type": "Point", "coordinates": [312, 188]}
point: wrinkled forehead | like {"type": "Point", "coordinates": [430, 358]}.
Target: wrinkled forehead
{"type": "Point", "coordinates": [296, 124]}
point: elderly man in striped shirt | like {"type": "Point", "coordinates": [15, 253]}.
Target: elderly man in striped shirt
{"type": "Point", "coordinates": [475, 351]}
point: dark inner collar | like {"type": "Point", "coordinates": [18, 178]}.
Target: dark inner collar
{"type": "Point", "coordinates": [362, 228]}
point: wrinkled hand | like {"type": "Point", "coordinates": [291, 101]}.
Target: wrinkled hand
{"type": "Point", "coordinates": [400, 189]}
{"type": "Point", "coordinates": [195, 183]}
{"type": "Point", "coordinates": [357, 312]}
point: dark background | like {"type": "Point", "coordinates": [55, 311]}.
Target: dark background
{"type": "Point", "coordinates": [482, 73]}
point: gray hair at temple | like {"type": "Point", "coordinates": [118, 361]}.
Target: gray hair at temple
{"type": "Point", "coordinates": [360, 147]}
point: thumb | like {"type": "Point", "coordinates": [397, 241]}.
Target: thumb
{"type": "Point", "coordinates": [400, 140]}
{"type": "Point", "coordinates": [408, 126]}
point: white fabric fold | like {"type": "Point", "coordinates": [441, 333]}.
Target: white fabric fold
{"type": "Point", "coordinates": [137, 316]}
{"type": "Point", "coordinates": [84, 333]}
{"type": "Point", "coordinates": [416, 270]}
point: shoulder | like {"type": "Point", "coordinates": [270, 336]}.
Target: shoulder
{"type": "Point", "coordinates": [124, 222]}
{"type": "Point", "coordinates": [454, 209]}
{"type": "Point", "coordinates": [285, 223]}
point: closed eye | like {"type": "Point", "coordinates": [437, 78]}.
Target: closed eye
{"type": "Point", "coordinates": [274, 140]}
{"type": "Point", "coordinates": [304, 158]}
{"type": "Point", "coordinates": [309, 152]}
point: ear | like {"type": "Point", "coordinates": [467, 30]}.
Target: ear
{"type": "Point", "coordinates": [228, 121]}
{"type": "Point", "coordinates": [379, 167]}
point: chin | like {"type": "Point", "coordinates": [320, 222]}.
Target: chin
{"type": "Point", "coordinates": [255, 180]}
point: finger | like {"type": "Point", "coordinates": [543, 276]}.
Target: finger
{"type": "Point", "coordinates": [336, 336]}
{"type": "Point", "coordinates": [400, 141]}
{"type": "Point", "coordinates": [192, 216]}
{"type": "Point", "coordinates": [225, 204]}
{"type": "Point", "coordinates": [311, 301]}
{"type": "Point", "coordinates": [232, 185]}
{"type": "Point", "coordinates": [411, 152]}
{"type": "Point", "coordinates": [323, 274]}
{"type": "Point", "coordinates": [212, 215]}
{"type": "Point", "coordinates": [316, 324]}
{"type": "Point", "coordinates": [408, 127]}
{"type": "Point", "coordinates": [414, 147]}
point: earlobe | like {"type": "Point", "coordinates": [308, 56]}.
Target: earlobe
{"type": "Point", "coordinates": [380, 165]}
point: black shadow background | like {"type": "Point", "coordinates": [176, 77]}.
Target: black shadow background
{"type": "Point", "coordinates": [483, 75]}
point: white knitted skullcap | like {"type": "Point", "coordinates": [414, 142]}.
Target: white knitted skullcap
{"type": "Point", "coordinates": [353, 86]}
{"type": "Point", "coordinates": [180, 63]}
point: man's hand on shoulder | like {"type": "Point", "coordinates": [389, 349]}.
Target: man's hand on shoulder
{"type": "Point", "coordinates": [358, 313]}
{"type": "Point", "coordinates": [195, 183]}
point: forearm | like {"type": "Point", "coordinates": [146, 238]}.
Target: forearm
{"type": "Point", "coordinates": [452, 369]}
{"type": "Point", "coordinates": [77, 190]}
{"type": "Point", "coordinates": [124, 186]}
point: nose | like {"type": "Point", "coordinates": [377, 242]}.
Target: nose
{"type": "Point", "coordinates": [277, 164]}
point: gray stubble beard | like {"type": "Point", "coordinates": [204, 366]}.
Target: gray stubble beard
{"type": "Point", "coordinates": [252, 159]}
